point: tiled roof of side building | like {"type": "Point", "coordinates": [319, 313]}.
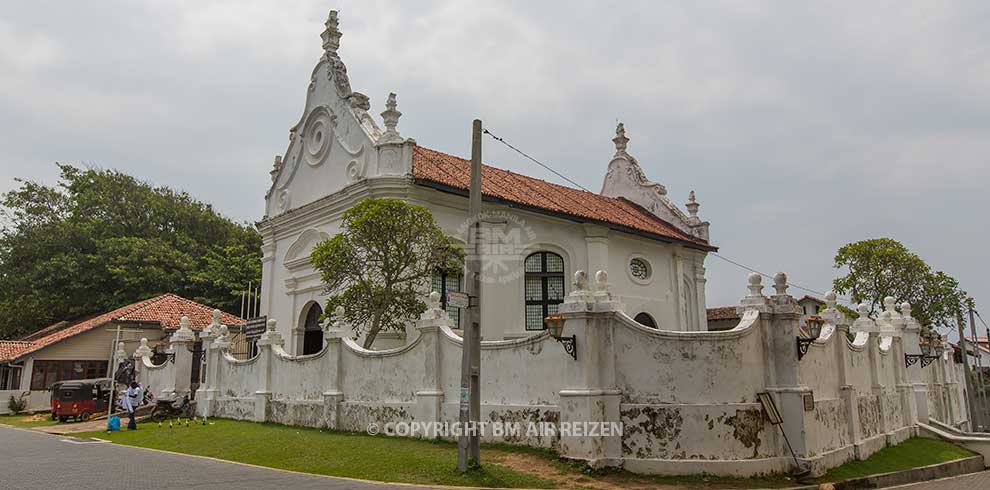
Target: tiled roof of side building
{"type": "Point", "coordinates": [165, 310]}
{"type": "Point", "coordinates": [10, 349]}
{"type": "Point", "coordinates": [722, 313]}
{"type": "Point", "coordinates": [434, 168]}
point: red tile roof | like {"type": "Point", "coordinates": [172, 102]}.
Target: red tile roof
{"type": "Point", "coordinates": [722, 313]}
{"type": "Point", "coordinates": [48, 330]}
{"type": "Point", "coordinates": [166, 310]}
{"type": "Point", "coordinates": [434, 167]}
{"type": "Point", "coordinates": [9, 349]}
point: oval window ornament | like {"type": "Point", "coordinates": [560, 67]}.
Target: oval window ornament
{"type": "Point", "coordinates": [639, 269]}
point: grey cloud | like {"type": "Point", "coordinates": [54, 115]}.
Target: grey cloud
{"type": "Point", "coordinates": [801, 126]}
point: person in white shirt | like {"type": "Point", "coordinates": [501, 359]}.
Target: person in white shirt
{"type": "Point", "coordinates": [132, 400]}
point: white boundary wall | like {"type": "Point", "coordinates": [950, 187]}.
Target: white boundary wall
{"type": "Point", "coordinates": [687, 401]}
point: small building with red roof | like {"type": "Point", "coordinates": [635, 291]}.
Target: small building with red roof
{"type": "Point", "coordinates": [83, 349]}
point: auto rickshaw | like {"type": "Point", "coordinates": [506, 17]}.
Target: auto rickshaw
{"type": "Point", "coordinates": [54, 399]}
{"type": "Point", "coordinates": [80, 399]}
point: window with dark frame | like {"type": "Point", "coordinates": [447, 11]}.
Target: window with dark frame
{"type": "Point", "coordinates": [644, 318]}
{"type": "Point", "coordinates": [444, 283]}
{"type": "Point", "coordinates": [544, 287]}
{"type": "Point", "coordinates": [47, 373]}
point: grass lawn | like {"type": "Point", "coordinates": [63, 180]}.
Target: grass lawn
{"type": "Point", "coordinates": [325, 453]}
{"type": "Point", "coordinates": [388, 459]}
{"type": "Point", "coordinates": [36, 420]}
{"type": "Point", "coordinates": [911, 453]}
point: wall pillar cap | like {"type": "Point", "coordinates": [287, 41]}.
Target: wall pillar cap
{"type": "Point", "coordinates": [143, 350]}
{"type": "Point", "coordinates": [184, 334]}
{"type": "Point", "coordinates": [271, 336]}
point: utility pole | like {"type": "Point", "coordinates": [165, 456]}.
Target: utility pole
{"type": "Point", "coordinates": [468, 443]}
{"type": "Point", "coordinates": [968, 375]}
{"type": "Point", "coordinates": [112, 369]}
{"type": "Point", "coordinates": [980, 395]}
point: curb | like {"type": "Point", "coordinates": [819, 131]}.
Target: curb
{"type": "Point", "coordinates": [949, 469]}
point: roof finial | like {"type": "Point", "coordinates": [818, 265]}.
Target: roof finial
{"type": "Point", "coordinates": [692, 205]}
{"type": "Point", "coordinates": [391, 116]}
{"type": "Point", "coordinates": [620, 139]}
{"type": "Point", "coordinates": [331, 36]}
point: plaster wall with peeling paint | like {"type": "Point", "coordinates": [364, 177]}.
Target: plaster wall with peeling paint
{"type": "Point", "coordinates": [688, 402]}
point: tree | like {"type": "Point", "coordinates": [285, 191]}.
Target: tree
{"type": "Point", "coordinates": [101, 239]}
{"type": "Point", "coordinates": [379, 265]}
{"type": "Point", "coordinates": [883, 267]}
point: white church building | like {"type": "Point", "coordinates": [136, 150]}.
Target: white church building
{"type": "Point", "coordinates": [540, 233]}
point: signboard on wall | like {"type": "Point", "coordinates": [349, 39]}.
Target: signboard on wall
{"type": "Point", "coordinates": [457, 299]}
{"type": "Point", "coordinates": [254, 327]}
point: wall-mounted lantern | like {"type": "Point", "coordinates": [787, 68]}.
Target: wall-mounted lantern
{"type": "Point", "coordinates": [931, 349]}
{"type": "Point", "coordinates": [555, 325]}
{"type": "Point", "coordinates": [815, 325]}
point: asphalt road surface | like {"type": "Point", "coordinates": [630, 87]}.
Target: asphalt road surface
{"type": "Point", "coordinates": [32, 460]}
{"type": "Point", "coordinates": [975, 481]}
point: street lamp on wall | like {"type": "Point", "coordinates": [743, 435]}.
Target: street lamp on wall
{"type": "Point", "coordinates": [931, 349]}
{"type": "Point", "coordinates": [555, 325]}
{"type": "Point", "coordinates": [815, 330]}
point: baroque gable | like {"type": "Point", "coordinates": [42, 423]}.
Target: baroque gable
{"type": "Point", "coordinates": [626, 179]}
{"type": "Point", "coordinates": [336, 142]}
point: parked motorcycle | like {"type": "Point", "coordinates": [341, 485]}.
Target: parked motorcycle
{"type": "Point", "coordinates": [170, 409]}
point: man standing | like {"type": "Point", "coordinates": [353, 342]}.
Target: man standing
{"type": "Point", "coordinates": [132, 400]}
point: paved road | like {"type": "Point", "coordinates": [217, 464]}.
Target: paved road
{"type": "Point", "coordinates": [975, 481]}
{"type": "Point", "coordinates": [35, 461]}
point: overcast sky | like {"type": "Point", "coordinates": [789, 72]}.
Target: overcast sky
{"type": "Point", "coordinates": [802, 126]}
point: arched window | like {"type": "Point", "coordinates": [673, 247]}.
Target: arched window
{"type": "Point", "coordinates": [544, 287]}
{"type": "Point", "coordinates": [644, 318]}
{"type": "Point", "coordinates": [444, 283]}
{"type": "Point", "coordinates": [312, 333]}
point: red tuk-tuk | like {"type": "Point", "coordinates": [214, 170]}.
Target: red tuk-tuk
{"type": "Point", "coordinates": [81, 398]}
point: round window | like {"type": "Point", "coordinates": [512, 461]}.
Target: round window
{"type": "Point", "coordinates": [640, 269]}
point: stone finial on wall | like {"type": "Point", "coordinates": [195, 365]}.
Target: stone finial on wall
{"type": "Point", "coordinates": [143, 350]}
{"type": "Point", "coordinates": [890, 306]}
{"type": "Point", "coordinates": [580, 281]}
{"type": "Point", "coordinates": [271, 336]}
{"type": "Point", "coordinates": [831, 314]}
{"type": "Point", "coordinates": [211, 330]}
{"type": "Point", "coordinates": [579, 290]}
{"type": "Point", "coordinates": [754, 283]}
{"type": "Point", "coordinates": [336, 326]}
{"type": "Point", "coordinates": [184, 333]}
{"type": "Point", "coordinates": [864, 323]}
{"type": "Point", "coordinates": [391, 117]}
{"type": "Point", "coordinates": [780, 283]}
{"type": "Point", "coordinates": [223, 340]}
{"type": "Point", "coordinates": [603, 298]}
{"type": "Point", "coordinates": [434, 309]}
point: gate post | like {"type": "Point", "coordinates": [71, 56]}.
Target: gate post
{"type": "Point", "coordinates": [180, 344]}
{"type": "Point", "coordinates": [263, 396]}
{"type": "Point", "coordinates": [591, 395]}
{"type": "Point", "coordinates": [429, 396]}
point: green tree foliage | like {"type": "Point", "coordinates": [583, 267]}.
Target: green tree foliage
{"type": "Point", "coordinates": [101, 239]}
{"type": "Point", "coordinates": [379, 265]}
{"type": "Point", "coordinates": [882, 267]}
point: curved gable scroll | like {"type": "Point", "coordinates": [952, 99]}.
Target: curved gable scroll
{"type": "Point", "coordinates": [297, 256]}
